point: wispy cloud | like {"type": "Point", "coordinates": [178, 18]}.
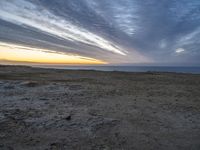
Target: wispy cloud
{"type": "Point", "coordinates": [26, 13]}
{"type": "Point", "coordinates": [116, 31]}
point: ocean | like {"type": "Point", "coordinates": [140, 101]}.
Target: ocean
{"type": "Point", "coordinates": [194, 70]}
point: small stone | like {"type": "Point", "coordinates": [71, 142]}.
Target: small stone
{"type": "Point", "coordinates": [68, 118]}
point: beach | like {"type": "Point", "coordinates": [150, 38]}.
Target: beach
{"type": "Point", "coordinates": [55, 109]}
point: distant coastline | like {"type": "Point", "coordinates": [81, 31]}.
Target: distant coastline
{"type": "Point", "coordinates": [167, 69]}
{"type": "Point", "coordinates": [172, 69]}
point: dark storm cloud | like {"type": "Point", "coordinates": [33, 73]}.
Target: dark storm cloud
{"type": "Point", "coordinates": [117, 31]}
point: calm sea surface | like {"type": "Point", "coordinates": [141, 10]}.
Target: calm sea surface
{"type": "Point", "coordinates": [195, 70]}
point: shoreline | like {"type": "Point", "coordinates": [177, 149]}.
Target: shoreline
{"type": "Point", "coordinates": [98, 68]}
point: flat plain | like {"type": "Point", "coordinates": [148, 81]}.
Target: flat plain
{"type": "Point", "coordinates": [47, 109]}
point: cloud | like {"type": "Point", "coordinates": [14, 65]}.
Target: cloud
{"type": "Point", "coordinates": [116, 31]}
{"type": "Point", "coordinates": [180, 50]}
{"type": "Point", "coordinates": [26, 13]}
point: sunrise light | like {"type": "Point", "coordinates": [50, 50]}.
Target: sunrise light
{"type": "Point", "coordinates": [12, 52]}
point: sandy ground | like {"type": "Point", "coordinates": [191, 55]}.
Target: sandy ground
{"type": "Point", "coordinates": [44, 109]}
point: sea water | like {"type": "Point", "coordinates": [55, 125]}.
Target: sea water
{"type": "Point", "coordinates": [194, 70]}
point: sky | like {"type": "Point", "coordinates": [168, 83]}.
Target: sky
{"type": "Point", "coordinates": [100, 31]}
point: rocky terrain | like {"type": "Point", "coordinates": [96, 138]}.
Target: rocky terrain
{"type": "Point", "coordinates": [49, 109]}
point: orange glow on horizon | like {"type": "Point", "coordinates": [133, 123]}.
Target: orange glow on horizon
{"type": "Point", "coordinates": [19, 53]}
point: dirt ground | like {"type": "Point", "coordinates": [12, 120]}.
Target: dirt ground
{"type": "Point", "coordinates": [49, 109]}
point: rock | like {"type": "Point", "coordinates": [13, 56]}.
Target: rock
{"type": "Point", "coordinates": [30, 84]}
{"type": "Point", "coordinates": [68, 118]}
{"type": "Point", "coordinates": [43, 99]}
{"type": "Point", "coordinates": [56, 146]}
